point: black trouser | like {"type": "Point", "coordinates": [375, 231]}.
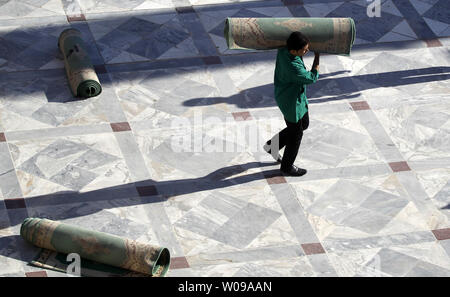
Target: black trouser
{"type": "Point", "coordinates": [291, 137]}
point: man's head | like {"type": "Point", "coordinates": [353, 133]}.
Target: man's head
{"type": "Point", "coordinates": [298, 44]}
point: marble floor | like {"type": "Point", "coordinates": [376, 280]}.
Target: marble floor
{"type": "Point", "coordinates": [170, 153]}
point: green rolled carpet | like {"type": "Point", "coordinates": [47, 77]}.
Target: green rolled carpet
{"type": "Point", "coordinates": [96, 247]}
{"type": "Point", "coordinates": [81, 74]}
{"type": "Point", "coordinates": [327, 35]}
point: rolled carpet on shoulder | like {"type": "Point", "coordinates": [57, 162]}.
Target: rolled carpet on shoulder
{"type": "Point", "coordinates": [79, 69]}
{"type": "Point", "coordinates": [327, 35]}
{"type": "Point", "coordinates": [94, 246]}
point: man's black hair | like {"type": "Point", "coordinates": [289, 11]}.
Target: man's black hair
{"type": "Point", "coordinates": [296, 41]}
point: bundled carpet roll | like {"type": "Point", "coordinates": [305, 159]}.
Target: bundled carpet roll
{"type": "Point", "coordinates": [81, 74]}
{"type": "Point", "coordinates": [327, 35]}
{"type": "Point", "coordinates": [96, 246]}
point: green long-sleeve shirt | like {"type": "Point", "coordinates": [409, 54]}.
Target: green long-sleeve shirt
{"type": "Point", "coordinates": [291, 78]}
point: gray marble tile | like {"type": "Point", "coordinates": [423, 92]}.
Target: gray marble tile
{"type": "Point", "coordinates": [102, 218]}
{"type": "Point", "coordinates": [108, 101]}
{"type": "Point", "coordinates": [162, 227]}
{"type": "Point", "coordinates": [222, 203]}
{"type": "Point", "coordinates": [93, 159]}
{"type": "Point", "coordinates": [248, 255]}
{"type": "Point", "coordinates": [15, 9]}
{"type": "Point", "coordinates": [294, 213]}
{"type": "Point", "coordinates": [252, 270]}
{"type": "Point", "coordinates": [424, 269]}
{"type": "Point", "coordinates": [73, 177]}
{"type": "Point", "coordinates": [191, 162]}
{"type": "Point", "coordinates": [32, 100]}
{"type": "Point", "coordinates": [325, 153]}
{"type": "Point", "coordinates": [198, 224]}
{"type": "Point", "coordinates": [133, 156]}
{"type": "Point", "coordinates": [9, 184]}
{"type": "Point", "coordinates": [245, 225]}
{"type": "Point", "coordinates": [379, 136]}
{"type": "Point", "coordinates": [393, 263]}
{"type": "Point", "coordinates": [429, 164]}
{"type": "Point", "coordinates": [366, 220]}
{"type": "Point", "coordinates": [345, 172]}
{"type": "Point", "coordinates": [61, 199]}
{"type": "Point", "coordinates": [385, 203]}
{"type": "Point", "coordinates": [418, 195]}
{"type": "Point", "coordinates": [55, 114]}
{"type": "Point", "coordinates": [342, 244]}
{"type": "Point", "coordinates": [337, 202]}
{"type": "Point", "coordinates": [322, 266]}
{"type": "Point", "coordinates": [446, 245]}
{"type": "Point", "coordinates": [57, 132]}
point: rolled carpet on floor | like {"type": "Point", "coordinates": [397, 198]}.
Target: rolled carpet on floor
{"type": "Point", "coordinates": [95, 247]}
{"type": "Point", "coordinates": [81, 74]}
{"type": "Point", "coordinates": [327, 35]}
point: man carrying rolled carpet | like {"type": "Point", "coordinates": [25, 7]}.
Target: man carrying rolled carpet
{"type": "Point", "coordinates": [291, 78]}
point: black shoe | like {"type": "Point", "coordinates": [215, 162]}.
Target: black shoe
{"type": "Point", "coordinates": [294, 171]}
{"type": "Point", "coordinates": [267, 149]}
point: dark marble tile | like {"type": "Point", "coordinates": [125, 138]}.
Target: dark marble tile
{"type": "Point", "coordinates": [442, 234]}
{"type": "Point", "coordinates": [399, 166]}
{"type": "Point", "coordinates": [14, 203]}
{"type": "Point", "coordinates": [147, 190]}
{"type": "Point", "coordinates": [119, 127]}
{"type": "Point", "coordinates": [185, 9]}
{"type": "Point", "coordinates": [212, 60]}
{"type": "Point", "coordinates": [178, 263]}
{"type": "Point", "coordinates": [36, 274]}
{"type": "Point", "coordinates": [76, 18]}
{"type": "Point", "coordinates": [433, 42]}
{"type": "Point", "coordinates": [360, 105]}
{"type": "Point", "coordinates": [313, 248]}
{"type": "Point", "coordinates": [100, 69]}
{"type": "Point", "coordinates": [242, 116]}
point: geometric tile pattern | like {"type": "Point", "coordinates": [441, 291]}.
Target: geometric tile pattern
{"type": "Point", "coordinates": [140, 39]}
{"type": "Point", "coordinates": [67, 163]}
{"type": "Point", "coordinates": [373, 203]}
{"type": "Point", "coordinates": [239, 224]}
